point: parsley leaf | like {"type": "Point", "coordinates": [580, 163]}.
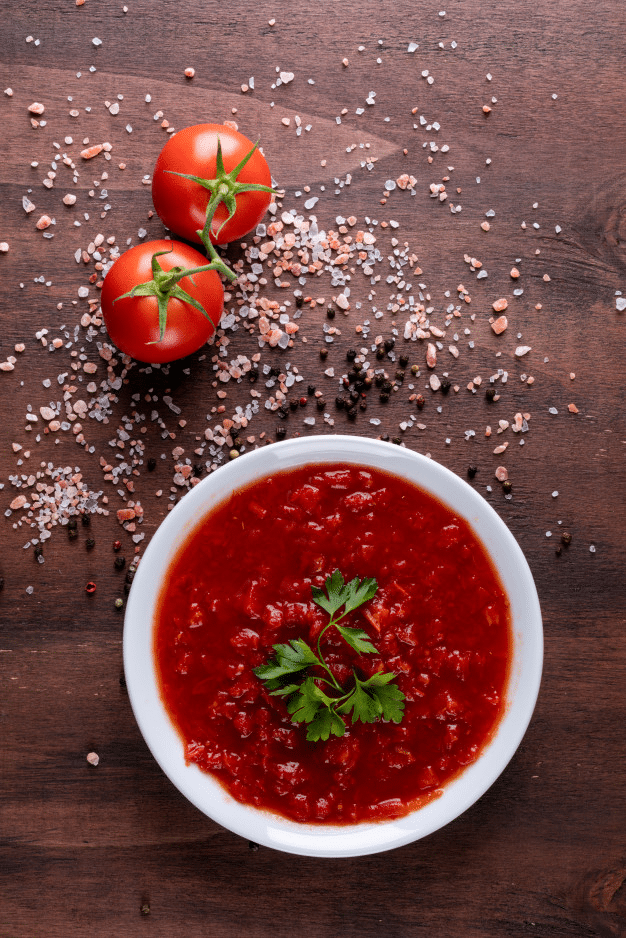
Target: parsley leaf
{"type": "Point", "coordinates": [323, 710]}
{"type": "Point", "coordinates": [357, 639]}
{"type": "Point", "coordinates": [359, 593]}
{"type": "Point", "coordinates": [311, 705]}
{"type": "Point", "coordinates": [336, 590]}
{"type": "Point", "coordinates": [387, 695]}
{"type": "Point", "coordinates": [291, 658]}
{"type": "Point", "coordinates": [325, 723]}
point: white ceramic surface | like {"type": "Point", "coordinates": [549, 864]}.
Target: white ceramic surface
{"type": "Point", "coordinates": [200, 788]}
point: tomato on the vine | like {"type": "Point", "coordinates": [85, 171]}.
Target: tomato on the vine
{"type": "Point", "coordinates": [161, 301]}
{"type": "Point", "coordinates": [211, 184]}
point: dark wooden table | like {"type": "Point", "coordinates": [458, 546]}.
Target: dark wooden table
{"type": "Point", "coordinates": [113, 849]}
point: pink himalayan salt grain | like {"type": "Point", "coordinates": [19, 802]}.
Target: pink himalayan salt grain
{"type": "Point", "coordinates": [500, 305]}
{"type": "Point", "coordinates": [499, 325]}
{"type": "Point", "coordinates": [89, 152]}
{"type": "Point", "coordinates": [502, 474]}
{"type": "Point", "coordinates": [125, 514]}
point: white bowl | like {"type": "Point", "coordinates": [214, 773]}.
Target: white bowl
{"type": "Point", "coordinates": [271, 830]}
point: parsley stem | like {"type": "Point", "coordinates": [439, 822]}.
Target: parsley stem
{"type": "Point", "coordinates": [321, 658]}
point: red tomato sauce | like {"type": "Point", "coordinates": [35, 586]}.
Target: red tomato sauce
{"type": "Point", "coordinates": [440, 621]}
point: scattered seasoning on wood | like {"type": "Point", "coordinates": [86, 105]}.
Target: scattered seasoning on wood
{"type": "Point", "coordinates": [293, 263]}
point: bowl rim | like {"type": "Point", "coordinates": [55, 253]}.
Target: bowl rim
{"type": "Point", "coordinates": [202, 789]}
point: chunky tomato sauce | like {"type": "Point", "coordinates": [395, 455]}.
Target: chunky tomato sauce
{"type": "Point", "coordinates": [242, 583]}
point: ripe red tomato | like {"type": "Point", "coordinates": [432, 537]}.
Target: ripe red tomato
{"type": "Point", "coordinates": [182, 203]}
{"type": "Point", "coordinates": [133, 322]}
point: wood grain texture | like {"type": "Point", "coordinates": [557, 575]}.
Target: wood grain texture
{"type": "Point", "coordinates": [84, 849]}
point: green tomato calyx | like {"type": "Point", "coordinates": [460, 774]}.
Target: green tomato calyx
{"type": "Point", "coordinates": [224, 189]}
{"type": "Point", "coordinates": [165, 284]}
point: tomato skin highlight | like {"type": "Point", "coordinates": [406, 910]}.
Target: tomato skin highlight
{"type": "Point", "coordinates": [181, 203]}
{"type": "Point", "coordinates": [133, 322]}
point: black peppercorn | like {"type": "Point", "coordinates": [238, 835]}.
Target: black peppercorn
{"type": "Point", "coordinates": [351, 354]}
{"type": "Point", "coordinates": [384, 397]}
{"type": "Point", "coordinates": [352, 412]}
{"type": "Point", "coordinates": [323, 353]}
{"type": "Point", "coordinates": [363, 403]}
{"type": "Point", "coordinates": [446, 384]}
{"type": "Point", "coordinates": [72, 533]}
{"type": "Point", "coordinates": [471, 471]}
{"type": "Point", "coordinates": [299, 302]}
{"type": "Point", "coordinates": [311, 389]}
{"type": "Point", "coordinates": [1, 583]}
{"type": "Point", "coordinates": [403, 361]}
{"type": "Point", "coordinates": [389, 344]}
{"type": "Point", "coordinates": [378, 380]}
{"type": "Point", "coordinates": [340, 403]}
{"type": "Point", "coordinates": [330, 312]}
{"type": "Point", "coordinates": [253, 375]}
{"type": "Point", "coordinates": [90, 543]}
{"type": "Point", "coordinates": [490, 393]}
{"type": "Point", "coordinates": [151, 464]}
{"type": "Point", "coordinates": [86, 520]}
{"type": "Point", "coordinates": [566, 538]}
{"type": "Point", "coordinates": [507, 486]}
{"type": "Point", "coordinates": [399, 375]}
{"type": "Point", "coordinates": [119, 562]}
{"type": "Point", "coordinates": [321, 403]}
{"type": "Point", "coordinates": [38, 551]}
{"type": "Point", "coordinates": [380, 352]}
{"type": "Point", "coordinates": [281, 432]}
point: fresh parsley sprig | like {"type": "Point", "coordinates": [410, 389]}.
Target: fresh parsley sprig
{"type": "Point", "coordinates": [324, 707]}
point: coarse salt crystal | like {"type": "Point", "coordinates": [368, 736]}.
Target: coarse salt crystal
{"type": "Point", "coordinates": [499, 325]}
